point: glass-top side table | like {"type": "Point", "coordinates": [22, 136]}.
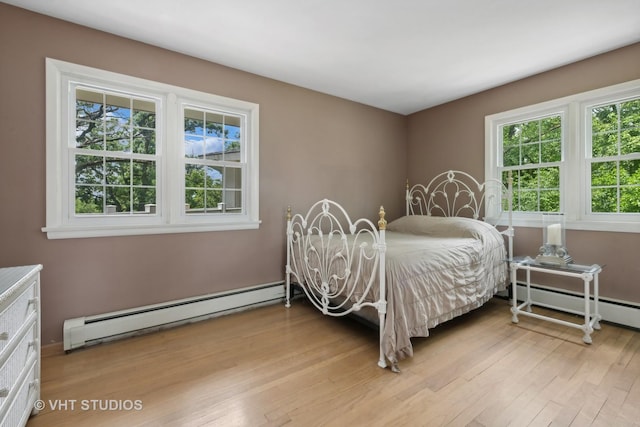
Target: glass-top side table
{"type": "Point", "coordinates": [588, 273]}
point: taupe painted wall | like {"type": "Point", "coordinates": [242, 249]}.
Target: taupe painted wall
{"type": "Point", "coordinates": [311, 146]}
{"type": "Point", "coordinates": [451, 136]}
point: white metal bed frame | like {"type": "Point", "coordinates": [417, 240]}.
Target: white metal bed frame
{"type": "Point", "coordinates": [327, 224]}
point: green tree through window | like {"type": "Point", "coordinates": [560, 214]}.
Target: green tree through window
{"type": "Point", "coordinates": [115, 144]}
{"type": "Point", "coordinates": [532, 151]}
{"type": "Point", "coordinates": [615, 157]}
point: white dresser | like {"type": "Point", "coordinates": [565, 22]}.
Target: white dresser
{"type": "Point", "coordinates": [19, 343]}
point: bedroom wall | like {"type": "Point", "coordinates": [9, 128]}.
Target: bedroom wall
{"type": "Point", "coordinates": [311, 146]}
{"type": "Point", "coordinates": [451, 136]}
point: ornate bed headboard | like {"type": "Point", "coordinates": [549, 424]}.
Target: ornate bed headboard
{"type": "Point", "coordinates": [456, 193]}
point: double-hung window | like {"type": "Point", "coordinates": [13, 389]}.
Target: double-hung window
{"type": "Point", "coordinates": [132, 156]}
{"type": "Point", "coordinates": [578, 155]}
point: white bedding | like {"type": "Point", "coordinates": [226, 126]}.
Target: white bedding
{"type": "Point", "coordinates": [436, 269]}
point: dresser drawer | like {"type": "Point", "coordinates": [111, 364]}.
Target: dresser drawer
{"type": "Point", "coordinates": [15, 315]}
{"type": "Point", "coordinates": [20, 408]}
{"type": "Point", "coordinates": [15, 363]}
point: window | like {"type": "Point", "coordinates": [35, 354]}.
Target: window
{"type": "Point", "coordinates": [131, 156]}
{"type": "Point", "coordinates": [114, 153]}
{"type": "Point", "coordinates": [614, 157]}
{"type": "Point", "coordinates": [579, 155]}
{"type": "Point", "coordinates": [532, 152]}
{"type": "Point", "coordinates": [212, 161]}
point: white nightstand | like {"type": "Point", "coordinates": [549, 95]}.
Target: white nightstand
{"type": "Point", "coordinates": [588, 273]}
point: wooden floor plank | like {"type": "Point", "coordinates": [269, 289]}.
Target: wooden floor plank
{"type": "Point", "coordinates": [273, 366]}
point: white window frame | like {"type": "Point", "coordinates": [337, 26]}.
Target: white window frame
{"type": "Point", "coordinates": [574, 172]}
{"type": "Point", "coordinates": [171, 217]}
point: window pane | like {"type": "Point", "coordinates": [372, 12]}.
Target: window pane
{"type": "Point", "coordinates": [604, 119]}
{"type": "Point", "coordinates": [630, 114]}
{"type": "Point", "coordinates": [214, 177]}
{"type": "Point", "coordinates": [143, 199]}
{"type": "Point", "coordinates": [630, 140]}
{"type": "Point", "coordinates": [144, 173]}
{"type": "Point", "coordinates": [551, 129]}
{"type": "Point", "coordinates": [550, 152]}
{"type": "Point", "coordinates": [194, 201]}
{"type": "Point", "coordinates": [530, 154]}
{"type": "Point", "coordinates": [117, 171]}
{"type": "Point", "coordinates": [89, 169]}
{"type": "Point", "coordinates": [144, 114]}
{"type": "Point", "coordinates": [215, 123]}
{"type": "Point", "coordinates": [233, 178]}
{"type": "Point", "coordinates": [233, 137]}
{"type": "Point", "coordinates": [233, 200]}
{"type": "Point", "coordinates": [213, 200]}
{"type": "Point", "coordinates": [89, 199]}
{"type": "Point", "coordinates": [549, 177]}
{"type": "Point", "coordinates": [89, 134]}
{"type": "Point", "coordinates": [510, 135]}
{"type": "Point", "coordinates": [511, 156]}
{"type": "Point", "coordinates": [630, 199]}
{"type": "Point", "coordinates": [528, 179]}
{"type": "Point", "coordinates": [89, 105]}
{"type": "Point", "coordinates": [604, 200]}
{"type": "Point", "coordinates": [117, 200]}
{"type": "Point", "coordinates": [193, 122]}
{"type": "Point", "coordinates": [194, 176]}
{"type": "Point", "coordinates": [116, 137]}
{"type": "Point", "coordinates": [630, 172]}
{"type": "Point", "coordinates": [604, 173]}
{"type": "Point", "coordinates": [214, 148]}
{"type": "Point", "coordinates": [144, 141]}
{"type": "Point", "coordinates": [193, 146]}
{"type": "Point", "coordinates": [604, 144]}
{"type": "Point", "coordinates": [530, 132]}
{"type": "Point", "coordinates": [549, 201]}
{"type": "Point", "coordinates": [232, 151]}
{"type": "Point", "coordinates": [118, 109]}
{"type": "Point", "coordinates": [528, 201]}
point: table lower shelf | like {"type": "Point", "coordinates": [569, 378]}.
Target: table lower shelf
{"type": "Point", "coordinates": [591, 323]}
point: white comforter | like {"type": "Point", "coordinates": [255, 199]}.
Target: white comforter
{"type": "Point", "coordinates": [436, 269]}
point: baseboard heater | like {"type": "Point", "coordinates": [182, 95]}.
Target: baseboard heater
{"type": "Point", "coordinates": [85, 331]}
{"type": "Point", "coordinates": [614, 311]}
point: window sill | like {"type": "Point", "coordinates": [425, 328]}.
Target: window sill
{"type": "Point", "coordinates": [77, 232]}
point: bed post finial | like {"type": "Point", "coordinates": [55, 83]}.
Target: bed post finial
{"type": "Point", "coordinates": [288, 213]}
{"type": "Point", "coordinates": [382, 223]}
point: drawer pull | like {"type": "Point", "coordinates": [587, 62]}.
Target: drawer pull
{"type": "Point", "coordinates": [4, 336]}
{"type": "Point", "coordinates": [33, 343]}
{"type": "Point", "coordinates": [4, 392]}
{"type": "Point", "coordinates": [34, 384]}
{"type": "Point", "coordinates": [33, 300]}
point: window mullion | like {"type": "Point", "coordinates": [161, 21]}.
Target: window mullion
{"type": "Point", "coordinates": [571, 168]}
{"type": "Point", "coordinates": [173, 162]}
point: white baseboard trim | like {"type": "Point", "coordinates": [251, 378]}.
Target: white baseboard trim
{"type": "Point", "coordinates": [89, 330]}
{"type": "Point", "coordinates": [620, 312]}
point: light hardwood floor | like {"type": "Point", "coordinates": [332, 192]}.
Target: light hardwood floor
{"type": "Point", "coordinates": [274, 366]}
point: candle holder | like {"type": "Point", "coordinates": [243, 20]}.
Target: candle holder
{"type": "Point", "coordinates": [554, 249]}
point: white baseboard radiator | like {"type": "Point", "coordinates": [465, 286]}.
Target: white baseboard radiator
{"type": "Point", "coordinates": [85, 331]}
{"type": "Point", "coordinates": [620, 312]}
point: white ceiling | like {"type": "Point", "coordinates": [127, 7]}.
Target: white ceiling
{"type": "Point", "coordinates": [401, 56]}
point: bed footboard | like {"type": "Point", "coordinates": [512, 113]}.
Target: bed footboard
{"type": "Point", "coordinates": [338, 263]}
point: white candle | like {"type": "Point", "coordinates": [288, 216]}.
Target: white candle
{"type": "Point", "coordinates": [554, 234]}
